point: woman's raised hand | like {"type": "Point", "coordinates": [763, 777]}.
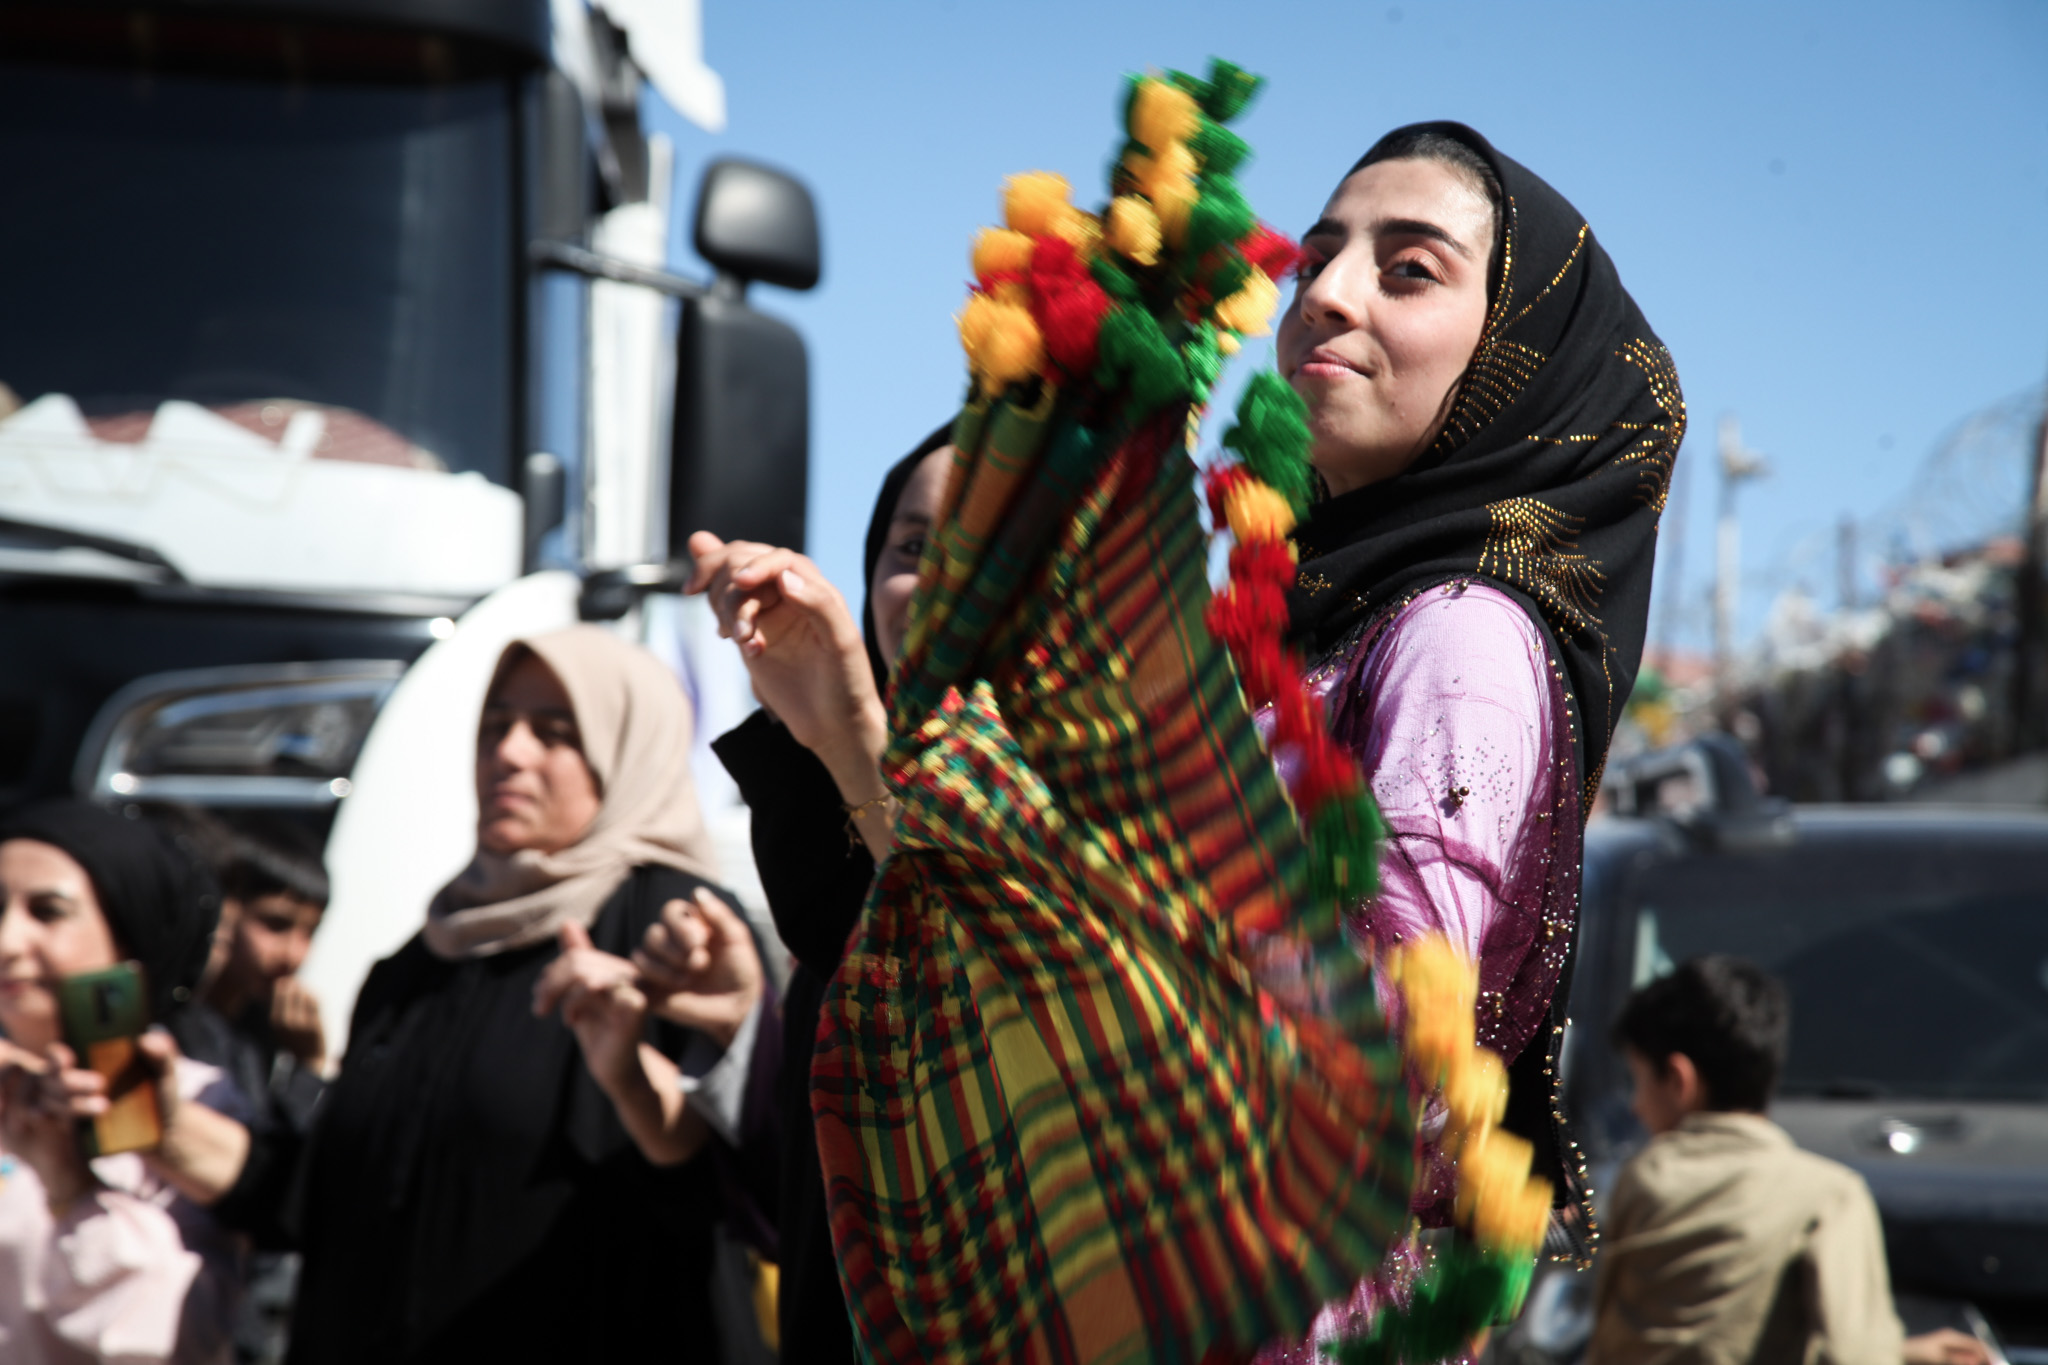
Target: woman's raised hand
{"type": "Point", "coordinates": [801, 645]}
{"type": "Point", "coordinates": [699, 968]}
{"type": "Point", "coordinates": [601, 1002]}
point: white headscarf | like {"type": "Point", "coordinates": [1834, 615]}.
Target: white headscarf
{"type": "Point", "coordinates": [636, 727]}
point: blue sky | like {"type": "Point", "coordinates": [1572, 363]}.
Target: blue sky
{"type": "Point", "coordinates": [1836, 215]}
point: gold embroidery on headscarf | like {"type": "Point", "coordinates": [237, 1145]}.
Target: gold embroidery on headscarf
{"type": "Point", "coordinates": [1650, 453]}
{"type": "Point", "coordinates": [1534, 546]}
{"type": "Point", "coordinates": [1501, 369]}
{"type": "Point", "coordinates": [1651, 458]}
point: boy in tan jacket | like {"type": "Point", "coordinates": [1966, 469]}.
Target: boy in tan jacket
{"type": "Point", "coordinates": [1724, 1243]}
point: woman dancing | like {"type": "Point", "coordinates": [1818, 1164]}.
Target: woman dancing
{"type": "Point", "coordinates": [1494, 424]}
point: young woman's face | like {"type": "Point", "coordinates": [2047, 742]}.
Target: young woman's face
{"type": "Point", "coordinates": [1386, 315]}
{"type": "Point", "coordinates": [895, 579]}
{"type": "Point", "coordinates": [51, 927]}
{"type": "Point", "coordinates": [533, 788]}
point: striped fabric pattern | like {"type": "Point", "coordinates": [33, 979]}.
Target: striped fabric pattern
{"type": "Point", "coordinates": [1069, 1110]}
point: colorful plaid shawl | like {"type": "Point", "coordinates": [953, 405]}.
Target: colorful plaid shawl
{"type": "Point", "coordinates": [1071, 1107]}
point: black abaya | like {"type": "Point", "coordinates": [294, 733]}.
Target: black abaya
{"type": "Point", "coordinates": [816, 880]}
{"type": "Point", "coordinates": [472, 1194]}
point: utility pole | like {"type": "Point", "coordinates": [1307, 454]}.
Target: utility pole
{"type": "Point", "coordinates": [2029, 724]}
{"type": "Point", "coordinates": [1845, 564]}
{"type": "Point", "coordinates": [1737, 465]}
{"type": "Point", "coordinates": [1671, 563]}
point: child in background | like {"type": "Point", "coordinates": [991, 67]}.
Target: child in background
{"type": "Point", "coordinates": [1724, 1242]}
{"type": "Point", "coordinates": [255, 1020]}
{"type": "Point", "coordinates": [260, 1022]}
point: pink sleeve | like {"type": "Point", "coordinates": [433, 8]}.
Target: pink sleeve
{"type": "Point", "coordinates": [1456, 749]}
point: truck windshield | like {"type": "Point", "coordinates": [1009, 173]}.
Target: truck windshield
{"type": "Point", "coordinates": [1915, 971]}
{"type": "Point", "coordinates": [257, 248]}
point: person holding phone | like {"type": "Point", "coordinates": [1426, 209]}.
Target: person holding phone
{"type": "Point", "coordinates": [105, 926]}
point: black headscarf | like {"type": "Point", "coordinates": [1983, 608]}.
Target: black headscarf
{"type": "Point", "coordinates": [878, 541]}
{"type": "Point", "coordinates": [158, 896]}
{"type": "Point", "coordinates": [1549, 475]}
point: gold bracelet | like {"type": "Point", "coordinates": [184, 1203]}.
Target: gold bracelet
{"type": "Point", "coordinates": [854, 813]}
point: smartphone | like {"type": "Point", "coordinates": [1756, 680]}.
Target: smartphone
{"type": "Point", "coordinates": [104, 1013]}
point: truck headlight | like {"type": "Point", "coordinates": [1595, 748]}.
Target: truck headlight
{"type": "Point", "coordinates": [256, 735]}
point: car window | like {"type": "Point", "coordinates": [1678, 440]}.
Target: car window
{"type": "Point", "coordinates": [1913, 972]}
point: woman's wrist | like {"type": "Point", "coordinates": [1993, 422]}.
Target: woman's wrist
{"type": "Point", "coordinates": [202, 1154]}
{"type": "Point", "coordinates": [854, 757]}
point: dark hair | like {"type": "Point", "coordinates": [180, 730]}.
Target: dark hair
{"type": "Point", "coordinates": [1425, 143]}
{"type": "Point", "coordinates": [250, 854]}
{"type": "Point", "coordinates": [1731, 1017]}
{"type": "Point", "coordinates": [271, 857]}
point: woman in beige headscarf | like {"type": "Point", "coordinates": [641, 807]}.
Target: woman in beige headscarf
{"type": "Point", "coordinates": [485, 1183]}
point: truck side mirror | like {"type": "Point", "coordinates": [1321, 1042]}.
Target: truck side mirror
{"type": "Point", "coordinates": [741, 456]}
{"type": "Point", "coordinates": [757, 224]}
{"type": "Point", "coordinates": [741, 461]}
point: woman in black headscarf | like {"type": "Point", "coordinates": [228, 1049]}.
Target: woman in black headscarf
{"type": "Point", "coordinates": [109, 1257]}
{"type": "Point", "coordinates": [1494, 424]}
{"type": "Point", "coordinates": [806, 764]}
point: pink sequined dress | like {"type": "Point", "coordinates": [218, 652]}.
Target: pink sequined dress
{"type": "Point", "coordinates": [1457, 712]}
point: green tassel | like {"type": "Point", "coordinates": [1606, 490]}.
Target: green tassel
{"type": "Point", "coordinates": [1230, 88]}
{"type": "Point", "coordinates": [1194, 85]}
{"type": "Point", "coordinates": [1219, 217]}
{"type": "Point", "coordinates": [1231, 271]}
{"type": "Point", "coordinates": [1204, 360]}
{"type": "Point", "coordinates": [1114, 280]}
{"type": "Point", "coordinates": [1131, 343]}
{"type": "Point", "coordinates": [1271, 435]}
{"type": "Point", "coordinates": [1221, 150]}
{"type": "Point", "coordinates": [1344, 845]}
{"type": "Point", "coordinates": [1464, 1290]}
{"type": "Point", "coordinates": [1131, 84]}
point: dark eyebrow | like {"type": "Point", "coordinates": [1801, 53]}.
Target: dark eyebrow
{"type": "Point", "coordinates": [1400, 227]}
{"type": "Point", "coordinates": [1416, 227]}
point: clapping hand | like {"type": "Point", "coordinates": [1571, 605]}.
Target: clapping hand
{"type": "Point", "coordinates": [601, 1002]}
{"type": "Point", "coordinates": [699, 968]}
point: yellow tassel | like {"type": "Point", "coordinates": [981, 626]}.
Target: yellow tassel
{"type": "Point", "coordinates": [1168, 179]}
{"type": "Point", "coordinates": [1228, 343]}
{"type": "Point", "coordinates": [1476, 1093]}
{"type": "Point", "coordinates": [1000, 251]}
{"type": "Point", "coordinates": [1163, 113]}
{"type": "Point", "coordinates": [1036, 202]}
{"type": "Point", "coordinates": [1257, 512]}
{"type": "Point", "coordinates": [1084, 230]}
{"type": "Point", "coordinates": [1250, 310]}
{"type": "Point", "coordinates": [1013, 293]}
{"type": "Point", "coordinates": [1134, 229]}
{"type": "Point", "coordinates": [1506, 1208]}
{"type": "Point", "coordinates": [1002, 342]}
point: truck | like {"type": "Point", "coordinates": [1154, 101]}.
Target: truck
{"type": "Point", "coordinates": [339, 349]}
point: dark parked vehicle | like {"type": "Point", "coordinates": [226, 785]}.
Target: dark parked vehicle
{"type": "Point", "coordinates": [1914, 941]}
